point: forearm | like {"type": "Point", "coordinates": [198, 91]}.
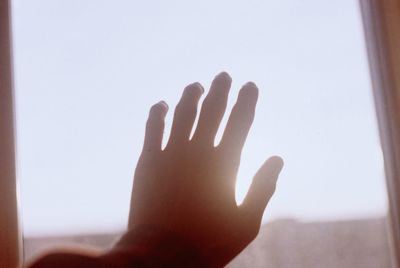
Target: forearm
{"type": "Point", "coordinates": [142, 247]}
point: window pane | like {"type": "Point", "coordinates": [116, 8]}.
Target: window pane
{"type": "Point", "coordinates": [85, 81]}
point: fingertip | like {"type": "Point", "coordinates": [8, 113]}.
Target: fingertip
{"type": "Point", "coordinates": [160, 107]}
{"type": "Point", "coordinates": [251, 84]}
{"type": "Point", "coordinates": [222, 80]}
{"type": "Point", "coordinates": [198, 87]}
{"type": "Point", "coordinates": [224, 75]}
{"type": "Point", "coordinates": [155, 127]}
{"type": "Point", "coordinates": [277, 162]}
{"type": "Point", "coordinates": [249, 91]}
{"type": "Point", "coordinates": [270, 170]}
{"type": "Point", "coordinates": [163, 104]}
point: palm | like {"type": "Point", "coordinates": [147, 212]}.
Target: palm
{"type": "Point", "coordinates": [189, 187]}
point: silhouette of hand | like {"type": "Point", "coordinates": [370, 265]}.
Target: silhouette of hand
{"type": "Point", "coordinates": [189, 187]}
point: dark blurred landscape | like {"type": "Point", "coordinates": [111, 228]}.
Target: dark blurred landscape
{"type": "Point", "coordinates": [280, 244]}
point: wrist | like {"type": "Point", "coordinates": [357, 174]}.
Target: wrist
{"type": "Point", "coordinates": [150, 246]}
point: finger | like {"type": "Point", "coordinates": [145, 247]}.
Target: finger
{"type": "Point", "coordinates": [240, 121]}
{"type": "Point", "coordinates": [155, 127]}
{"type": "Point", "coordinates": [185, 114]}
{"type": "Point", "coordinates": [262, 188]}
{"type": "Point", "coordinates": [213, 109]}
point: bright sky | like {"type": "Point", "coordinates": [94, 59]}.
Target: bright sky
{"type": "Point", "coordinates": [88, 71]}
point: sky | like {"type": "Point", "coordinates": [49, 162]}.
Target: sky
{"type": "Point", "coordinates": [86, 73]}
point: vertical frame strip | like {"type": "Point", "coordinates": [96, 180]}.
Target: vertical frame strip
{"type": "Point", "coordinates": [9, 228]}
{"type": "Point", "coordinates": [382, 30]}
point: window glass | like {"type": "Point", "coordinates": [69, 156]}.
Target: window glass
{"type": "Point", "coordinates": [87, 72]}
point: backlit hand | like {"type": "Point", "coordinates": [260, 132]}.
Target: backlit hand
{"type": "Point", "coordinates": [189, 187]}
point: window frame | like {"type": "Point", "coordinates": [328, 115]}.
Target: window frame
{"type": "Point", "coordinates": [381, 20]}
{"type": "Point", "coordinates": [10, 235]}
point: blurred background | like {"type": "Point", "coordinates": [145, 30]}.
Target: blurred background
{"type": "Point", "coordinates": [86, 73]}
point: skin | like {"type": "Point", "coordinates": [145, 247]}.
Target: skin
{"type": "Point", "coordinates": [188, 188]}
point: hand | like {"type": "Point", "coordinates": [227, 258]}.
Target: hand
{"type": "Point", "coordinates": [189, 187]}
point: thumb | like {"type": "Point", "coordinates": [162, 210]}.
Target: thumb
{"type": "Point", "coordinates": [262, 187]}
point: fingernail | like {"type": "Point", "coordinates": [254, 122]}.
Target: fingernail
{"type": "Point", "coordinates": [163, 103]}
{"type": "Point", "coordinates": [198, 85]}
{"type": "Point", "coordinates": [250, 84]}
